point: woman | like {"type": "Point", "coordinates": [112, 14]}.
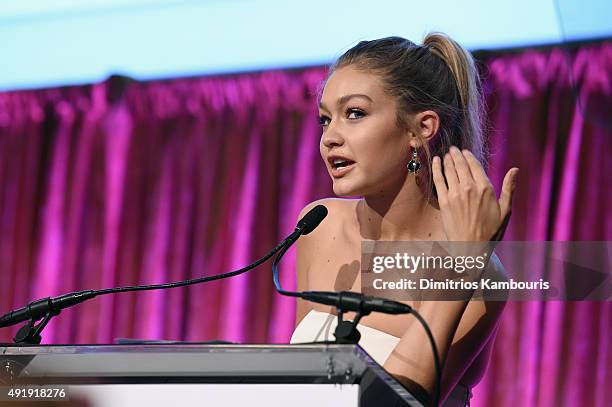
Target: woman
{"type": "Point", "coordinates": [386, 109]}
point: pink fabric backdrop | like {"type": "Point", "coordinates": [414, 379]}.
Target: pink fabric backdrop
{"type": "Point", "coordinates": [129, 183]}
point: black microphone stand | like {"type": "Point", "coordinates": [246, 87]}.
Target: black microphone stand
{"type": "Point", "coordinates": [346, 331]}
{"type": "Point", "coordinates": [30, 333]}
{"type": "Point", "coordinates": [47, 308]}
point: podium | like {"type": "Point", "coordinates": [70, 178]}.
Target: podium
{"type": "Point", "coordinates": [204, 375]}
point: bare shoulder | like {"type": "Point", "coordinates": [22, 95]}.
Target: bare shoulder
{"type": "Point", "coordinates": [338, 205]}
{"type": "Point", "coordinates": [317, 242]}
{"type": "Point", "coordinates": [338, 211]}
{"type": "Point", "coordinates": [321, 239]}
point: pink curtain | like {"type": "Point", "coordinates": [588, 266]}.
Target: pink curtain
{"type": "Point", "coordinates": [129, 183]}
{"type": "Point", "coordinates": [551, 112]}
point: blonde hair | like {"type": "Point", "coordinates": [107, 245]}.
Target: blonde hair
{"type": "Point", "coordinates": [462, 65]}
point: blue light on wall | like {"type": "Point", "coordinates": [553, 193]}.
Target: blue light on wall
{"type": "Point", "coordinates": [66, 42]}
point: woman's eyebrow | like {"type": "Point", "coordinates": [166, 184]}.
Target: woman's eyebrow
{"type": "Point", "coordinates": [342, 100]}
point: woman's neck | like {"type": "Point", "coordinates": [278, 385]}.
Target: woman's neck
{"type": "Point", "coordinates": [399, 212]}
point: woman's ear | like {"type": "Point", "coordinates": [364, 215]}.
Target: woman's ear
{"type": "Point", "coordinates": [424, 127]}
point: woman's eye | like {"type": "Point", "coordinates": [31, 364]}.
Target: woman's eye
{"type": "Point", "coordinates": [357, 113]}
{"type": "Point", "coordinates": [351, 113]}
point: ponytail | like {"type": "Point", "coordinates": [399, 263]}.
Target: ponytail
{"type": "Point", "coordinates": [462, 66]}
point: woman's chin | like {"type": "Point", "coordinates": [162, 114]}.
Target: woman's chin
{"type": "Point", "coordinates": [343, 190]}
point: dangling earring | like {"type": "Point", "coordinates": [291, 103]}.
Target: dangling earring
{"type": "Point", "coordinates": [414, 164]}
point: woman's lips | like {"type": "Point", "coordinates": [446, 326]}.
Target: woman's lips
{"type": "Point", "coordinates": [341, 171]}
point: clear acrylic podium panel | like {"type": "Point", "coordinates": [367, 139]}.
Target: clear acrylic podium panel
{"type": "Point", "coordinates": [226, 375]}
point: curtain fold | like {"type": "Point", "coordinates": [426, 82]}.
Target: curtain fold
{"type": "Point", "coordinates": [123, 183]}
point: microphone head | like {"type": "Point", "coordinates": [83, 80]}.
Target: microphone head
{"type": "Point", "coordinates": [312, 219]}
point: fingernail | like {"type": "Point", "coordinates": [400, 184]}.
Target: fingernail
{"type": "Point", "coordinates": [455, 149]}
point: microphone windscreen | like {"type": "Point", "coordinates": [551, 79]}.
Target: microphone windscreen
{"type": "Point", "coordinates": [312, 219]}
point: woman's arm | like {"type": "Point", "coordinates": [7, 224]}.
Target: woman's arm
{"type": "Point", "coordinates": [470, 212]}
{"type": "Point", "coordinates": [412, 360]}
{"type": "Point", "coordinates": [461, 329]}
{"type": "Point", "coordinates": [476, 331]}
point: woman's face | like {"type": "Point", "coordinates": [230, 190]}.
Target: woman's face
{"type": "Point", "coordinates": [362, 146]}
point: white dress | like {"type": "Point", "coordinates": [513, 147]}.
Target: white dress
{"type": "Point", "coordinates": [319, 326]}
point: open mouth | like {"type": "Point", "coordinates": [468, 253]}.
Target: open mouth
{"type": "Point", "coordinates": [340, 166]}
{"type": "Point", "coordinates": [340, 163]}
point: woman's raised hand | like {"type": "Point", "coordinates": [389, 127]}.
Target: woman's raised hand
{"type": "Point", "coordinates": [469, 206]}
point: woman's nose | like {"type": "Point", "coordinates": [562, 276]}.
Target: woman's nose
{"type": "Point", "coordinates": [332, 138]}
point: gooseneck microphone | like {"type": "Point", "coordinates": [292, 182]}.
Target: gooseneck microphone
{"type": "Point", "coordinates": [356, 302]}
{"type": "Point", "coordinates": [346, 301]}
{"type": "Point", "coordinates": [39, 308]}
{"type": "Point", "coordinates": [49, 307]}
{"type": "Point", "coordinates": [312, 219]}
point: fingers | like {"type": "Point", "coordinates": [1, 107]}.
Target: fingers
{"type": "Point", "coordinates": [438, 178]}
{"type": "Point", "coordinates": [450, 172]}
{"type": "Point", "coordinates": [508, 186]}
{"type": "Point", "coordinates": [461, 166]}
{"type": "Point", "coordinates": [478, 172]}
